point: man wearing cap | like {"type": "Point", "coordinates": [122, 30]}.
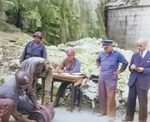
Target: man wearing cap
{"type": "Point", "coordinates": [139, 82]}
{"type": "Point", "coordinates": [108, 62]}
{"type": "Point", "coordinates": [18, 98]}
{"type": "Point", "coordinates": [68, 65]}
{"type": "Point", "coordinates": [34, 48]}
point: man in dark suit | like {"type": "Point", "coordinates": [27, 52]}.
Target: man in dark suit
{"type": "Point", "coordinates": [139, 82]}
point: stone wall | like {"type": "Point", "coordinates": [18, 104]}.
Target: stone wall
{"type": "Point", "coordinates": [127, 24]}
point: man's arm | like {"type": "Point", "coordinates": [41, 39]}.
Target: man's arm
{"type": "Point", "coordinates": [44, 53]}
{"type": "Point", "coordinates": [32, 95]}
{"type": "Point", "coordinates": [132, 66]}
{"type": "Point", "coordinates": [98, 61]}
{"type": "Point", "coordinates": [123, 61]}
{"type": "Point", "coordinates": [146, 71]}
{"type": "Point", "coordinates": [61, 66]}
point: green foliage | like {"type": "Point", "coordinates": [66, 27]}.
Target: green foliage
{"type": "Point", "coordinates": [2, 81]}
{"type": "Point", "coordinates": [59, 20]}
{"type": "Point", "coordinates": [38, 90]}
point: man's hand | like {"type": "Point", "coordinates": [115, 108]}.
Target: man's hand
{"type": "Point", "coordinates": [40, 106]}
{"type": "Point", "coordinates": [133, 66]}
{"type": "Point", "coordinates": [139, 69]}
{"type": "Point", "coordinates": [59, 70]}
{"type": "Point", "coordinates": [117, 72]}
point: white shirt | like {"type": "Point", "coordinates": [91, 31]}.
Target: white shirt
{"type": "Point", "coordinates": [144, 53]}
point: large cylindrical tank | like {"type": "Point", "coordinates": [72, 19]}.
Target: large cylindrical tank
{"type": "Point", "coordinates": [43, 115]}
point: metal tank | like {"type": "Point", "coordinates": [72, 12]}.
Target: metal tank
{"type": "Point", "coordinates": [43, 115]}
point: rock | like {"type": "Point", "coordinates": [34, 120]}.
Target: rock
{"type": "Point", "coordinates": [17, 62]}
{"type": "Point", "coordinates": [7, 5]}
{"type": "Point", "coordinates": [62, 47]}
{"type": "Point", "coordinates": [73, 43]}
{"type": "Point", "coordinates": [5, 63]}
{"type": "Point", "coordinates": [117, 98]}
{"type": "Point", "coordinates": [1, 55]}
{"type": "Point", "coordinates": [125, 93]}
{"type": "Point", "coordinates": [52, 47]}
{"type": "Point", "coordinates": [11, 64]}
{"type": "Point", "coordinates": [90, 83]}
{"type": "Point", "coordinates": [9, 58]}
{"type": "Point", "coordinates": [8, 77]}
{"type": "Point", "coordinates": [3, 16]}
{"type": "Point", "coordinates": [7, 27]}
{"type": "Point", "coordinates": [90, 94]}
{"type": "Point", "coordinates": [90, 89]}
{"type": "Point", "coordinates": [13, 73]}
{"type": "Point", "coordinates": [98, 42]}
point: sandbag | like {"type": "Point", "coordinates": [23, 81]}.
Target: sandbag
{"type": "Point", "coordinates": [43, 115]}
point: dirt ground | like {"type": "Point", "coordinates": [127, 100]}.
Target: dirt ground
{"type": "Point", "coordinates": [85, 115]}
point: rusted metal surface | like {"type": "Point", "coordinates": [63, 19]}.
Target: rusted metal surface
{"type": "Point", "coordinates": [43, 115]}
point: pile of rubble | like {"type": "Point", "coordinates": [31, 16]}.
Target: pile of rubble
{"type": "Point", "coordinates": [87, 50]}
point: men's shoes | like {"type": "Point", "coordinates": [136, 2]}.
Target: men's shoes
{"type": "Point", "coordinates": [56, 103]}
{"type": "Point", "coordinates": [111, 119]}
{"type": "Point", "coordinates": [126, 120]}
{"type": "Point", "coordinates": [101, 114]}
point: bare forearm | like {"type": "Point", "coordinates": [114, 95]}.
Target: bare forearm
{"type": "Point", "coordinates": [123, 67]}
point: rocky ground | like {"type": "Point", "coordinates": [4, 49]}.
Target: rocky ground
{"type": "Point", "coordinates": [12, 45]}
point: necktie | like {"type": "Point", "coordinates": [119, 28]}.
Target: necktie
{"type": "Point", "coordinates": [141, 53]}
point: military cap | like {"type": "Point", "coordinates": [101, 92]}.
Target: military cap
{"type": "Point", "coordinates": [107, 42]}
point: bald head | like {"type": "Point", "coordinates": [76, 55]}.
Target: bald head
{"type": "Point", "coordinates": [142, 41]}
{"type": "Point", "coordinates": [142, 44]}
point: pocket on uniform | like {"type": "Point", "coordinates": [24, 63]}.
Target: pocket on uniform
{"type": "Point", "coordinates": [112, 59]}
{"type": "Point", "coordinates": [102, 59]}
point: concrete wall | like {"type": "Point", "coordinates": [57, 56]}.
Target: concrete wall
{"type": "Point", "coordinates": [127, 24]}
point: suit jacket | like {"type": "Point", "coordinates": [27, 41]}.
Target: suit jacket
{"type": "Point", "coordinates": [143, 78]}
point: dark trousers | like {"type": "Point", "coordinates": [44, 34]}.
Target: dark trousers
{"type": "Point", "coordinates": [63, 86]}
{"type": "Point", "coordinates": [6, 108]}
{"type": "Point", "coordinates": [25, 106]}
{"type": "Point", "coordinates": [135, 91]}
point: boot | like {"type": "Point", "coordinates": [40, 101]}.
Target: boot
{"type": "Point", "coordinates": [56, 103]}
